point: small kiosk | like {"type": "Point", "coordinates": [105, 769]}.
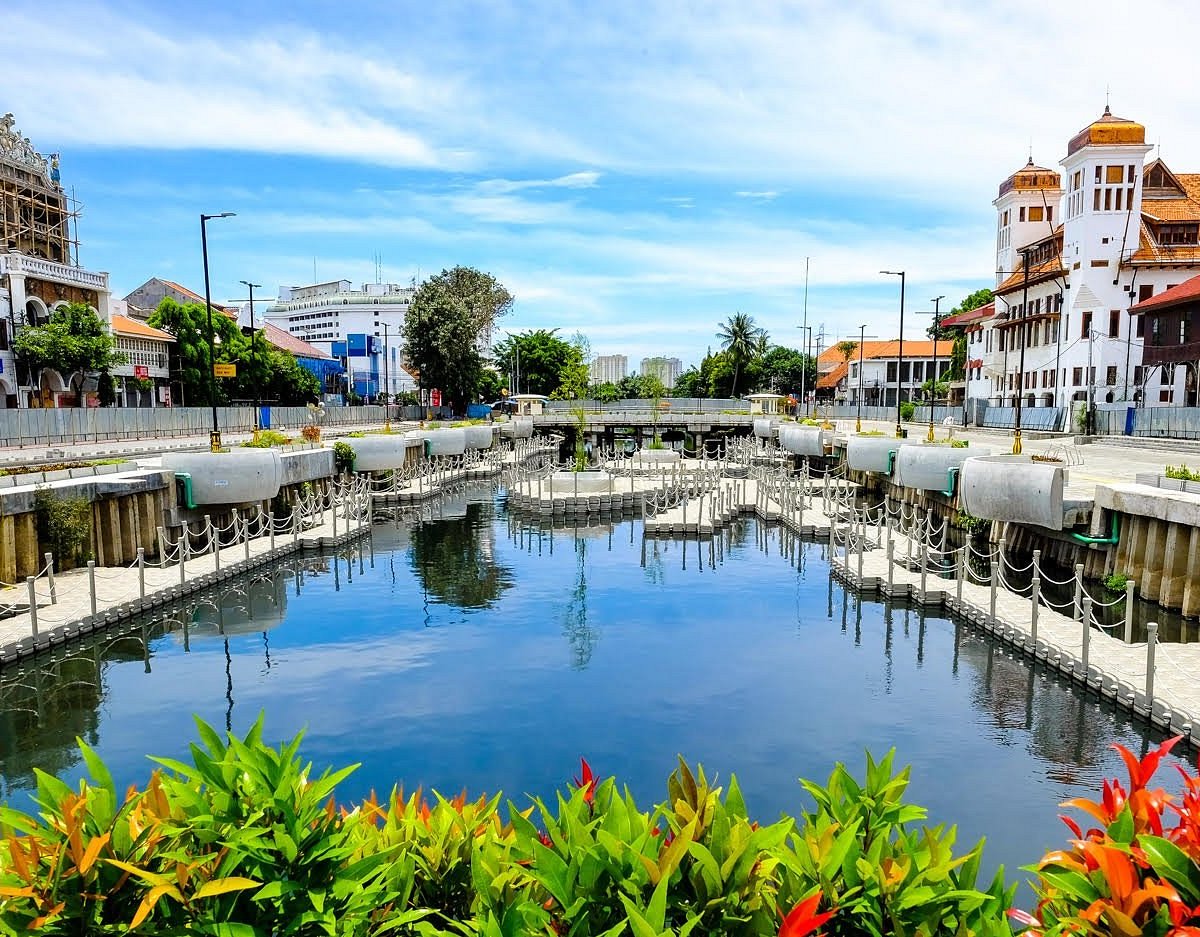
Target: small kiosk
{"type": "Point", "coordinates": [766, 404]}
{"type": "Point", "coordinates": [528, 404]}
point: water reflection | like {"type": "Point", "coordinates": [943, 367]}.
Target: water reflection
{"type": "Point", "coordinates": [417, 654]}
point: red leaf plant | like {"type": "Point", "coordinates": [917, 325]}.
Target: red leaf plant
{"type": "Point", "coordinates": [803, 919]}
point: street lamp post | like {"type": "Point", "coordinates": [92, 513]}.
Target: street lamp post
{"type": "Point", "coordinates": [806, 355]}
{"type": "Point", "coordinates": [937, 322]}
{"type": "Point", "coordinates": [900, 348]}
{"type": "Point", "coordinates": [808, 331]}
{"type": "Point", "coordinates": [214, 438]}
{"type": "Point", "coordinates": [862, 337]}
{"type": "Point", "coordinates": [254, 357]}
{"type": "Point", "coordinates": [1021, 363]}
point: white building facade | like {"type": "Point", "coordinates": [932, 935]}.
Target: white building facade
{"type": "Point", "coordinates": [608, 369]}
{"type": "Point", "coordinates": [1074, 251]}
{"type": "Point", "coordinates": [666, 370]}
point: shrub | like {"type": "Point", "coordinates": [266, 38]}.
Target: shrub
{"type": "Point", "coordinates": [266, 439]}
{"type": "Point", "coordinates": [248, 840]}
{"type": "Point", "coordinates": [64, 524]}
{"type": "Point", "coordinates": [959, 443]}
{"type": "Point", "coordinates": [1182, 472]}
{"type": "Point", "coordinates": [1116, 582]}
{"type": "Point", "coordinates": [907, 409]}
{"type": "Point", "coordinates": [311, 432]}
{"type": "Point", "coordinates": [343, 457]}
{"type": "Point", "coordinates": [970, 523]}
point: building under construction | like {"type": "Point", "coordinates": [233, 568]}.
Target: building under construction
{"type": "Point", "coordinates": [38, 265]}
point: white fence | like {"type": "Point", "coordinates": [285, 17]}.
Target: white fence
{"type": "Point", "coordinates": [76, 425]}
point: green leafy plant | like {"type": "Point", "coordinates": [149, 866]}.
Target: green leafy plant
{"type": "Point", "coordinates": [343, 457]}
{"type": "Point", "coordinates": [1182, 473]}
{"type": "Point", "coordinates": [871, 432]}
{"type": "Point", "coordinates": [1115, 582]}
{"type": "Point", "coordinates": [311, 433]}
{"type": "Point", "coordinates": [907, 409]}
{"type": "Point", "coordinates": [959, 443]}
{"type": "Point", "coordinates": [970, 523]}
{"type": "Point", "coordinates": [267, 438]}
{"type": "Point", "coordinates": [64, 524]}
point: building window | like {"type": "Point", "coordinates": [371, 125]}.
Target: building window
{"type": "Point", "coordinates": [1036, 213]}
{"type": "Point", "coordinates": [1154, 330]}
{"type": "Point", "coordinates": [1021, 214]}
{"type": "Point", "coordinates": [1110, 377]}
{"type": "Point", "coordinates": [1077, 377]}
{"type": "Point", "coordinates": [1114, 323]}
{"type": "Point", "coordinates": [1050, 214]}
{"type": "Point", "coordinates": [1086, 329]}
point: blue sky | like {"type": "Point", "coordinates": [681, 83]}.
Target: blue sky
{"type": "Point", "coordinates": [637, 171]}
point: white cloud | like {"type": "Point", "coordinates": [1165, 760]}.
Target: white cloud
{"type": "Point", "coordinates": [766, 195]}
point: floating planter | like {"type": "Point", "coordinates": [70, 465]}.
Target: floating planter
{"type": "Point", "coordinates": [803, 440]}
{"type": "Point", "coordinates": [478, 437]}
{"type": "Point", "coordinates": [567, 483]}
{"type": "Point", "coordinates": [451, 441]}
{"type": "Point", "coordinates": [1012, 488]}
{"type": "Point", "coordinates": [931, 468]}
{"type": "Point", "coordinates": [873, 453]}
{"type": "Point", "coordinates": [765, 429]}
{"type": "Point", "coordinates": [378, 453]}
{"type": "Point", "coordinates": [517, 428]}
{"type": "Point", "coordinates": [236, 477]}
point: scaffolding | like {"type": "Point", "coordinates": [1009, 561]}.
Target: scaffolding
{"type": "Point", "coordinates": [36, 215]}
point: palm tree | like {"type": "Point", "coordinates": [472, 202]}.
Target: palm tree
{"type": "Point", "coordinates": [738, 335]}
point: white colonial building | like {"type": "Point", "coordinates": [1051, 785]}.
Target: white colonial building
{"type": "Point", "coordinates": [1070, 262]}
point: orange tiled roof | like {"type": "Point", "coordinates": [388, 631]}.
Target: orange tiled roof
{"type": "Point", "coordinates": [1187, 291]}
{"type": "Point", "coordinates": [972, 316]}
{"type": "Point", "coordinates": [297, 347]}
{"type": "Point", "coordinates": [1150, 252]}
{"type": "Point", "coordinates": [1046, 270]}
{"type": "Point", "coordinates": [834, 377]}
{"type": "Point", "coordinates": [913, 348]}
{"type": "Point", "coordinates": [124, 325]}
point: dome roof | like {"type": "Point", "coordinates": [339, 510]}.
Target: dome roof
{"type": "Point", "coordinates": [1108, 130]}
{"type": "Point", "coordinates": [1031, 177]}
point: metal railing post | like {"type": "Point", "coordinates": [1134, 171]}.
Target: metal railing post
{"type": "Point", "coordinates": [891, 556]}
{"type": "Point", "coordinates": [1130, 586]}
{"type": "Point", "coordinates": [1077, 609]}
{"type": "Point", "coordinates": [49, 558]}
{"type": "Point", "coordinates": [1087, 632]}
{"type": "Point", "coordinates": [92, 584]}
{"type": "Point", "coordinates": [962, 560]}
{"type": "Point", "coordinates": [1151, 641]}
{"type": "Point", "coordinates": [995, 578]}
{"type": "Point", "coordinates": [141, 564]}
{"type": "Point", "coordinates": [1035, 593]}
{"type": "Point", "coordinates": [31, 587]}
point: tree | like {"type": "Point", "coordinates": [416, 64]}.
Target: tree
{"type": "Point", "coordinates": [958, 353]}
{"type": "Point", "coordinates": [846, 349]}
{"type": "Point", "coordinates": [75, 342]}
{"type": "Point", "coordinates": [604, 393]}
{"type": "Point", "coordinates": [738, 335]}
{"type": "Point", "coordinates": [786, 369]}
{"type": "Point", "coordinates": [690, 384]}
{"type": "Point", "coordinates": [448, 316]}
{"type": "Point", "coordinates": [188, 322]}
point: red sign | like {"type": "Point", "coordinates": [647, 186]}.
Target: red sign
{"type": "Point", "coordinates": [435, 397]}
{"type": "Point", "coordinates": [975, 363]}
{"type": "Point", "coordinates": [141, 371]}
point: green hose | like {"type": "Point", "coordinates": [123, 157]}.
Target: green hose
{"type": "Point", "coordinates": [1116, 531]}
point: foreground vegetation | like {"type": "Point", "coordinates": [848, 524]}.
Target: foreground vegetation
{"type": "Point", "coordinates": [246, 841]}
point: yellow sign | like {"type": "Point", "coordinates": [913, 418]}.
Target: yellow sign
{"type": "Point", "coordinates": [225, 370]}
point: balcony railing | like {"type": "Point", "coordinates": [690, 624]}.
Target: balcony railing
{"type": "Point", "coordinates": [51, 270]}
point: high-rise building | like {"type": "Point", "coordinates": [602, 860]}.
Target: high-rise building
{"type": "Point", "coordinates": [666, 370]}
{"type": "Point", "coordinates": [609, 369]}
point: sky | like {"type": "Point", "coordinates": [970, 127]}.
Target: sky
{"type": "Point", "coordinates": [636, 171]}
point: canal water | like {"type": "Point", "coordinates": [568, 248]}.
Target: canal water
{"type": "Point", "coordinates": [465, 647]}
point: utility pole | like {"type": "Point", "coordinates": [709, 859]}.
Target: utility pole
{"type": "Point", "coordinates": [804, 326]}
{"type": "Point", "coordinates": [254, 358]}
{"type": "Point", "coordinates": [1021, 362]}
{"type": "Point", "coordinates": [937, 326]}
{"type": "Point", "coordinates": [387, 385]}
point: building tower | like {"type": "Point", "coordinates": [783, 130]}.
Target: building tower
{"type": "Point", "coordinates": [1027, 208]}
{"type": "Point", "coordinates": [1101, 227]}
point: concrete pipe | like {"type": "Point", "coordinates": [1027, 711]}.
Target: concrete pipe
{"type": "Point", "coordinates": [873, 453]}
{"type": "Point", "coordinates": [1012, 488]}
{"type": "Point", "coordinates": [478, 437]}
{"type": "Point", "coordinates": [451, 441]}
{"type": "Point", "coordinates": [765, 429]}
{"type": "Point", "coordinates": [378, 453]}
{"type": "Point", "coordinates": [929, 468]}
{"type": "Point", "coordinates": [235, 477]}
{"type": "Point", "coordinates": [803, 440]}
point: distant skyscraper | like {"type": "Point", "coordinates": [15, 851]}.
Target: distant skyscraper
{"type": "Point", "coordinates": [609, 369]}
{"type": "Point", "coordinates": [666, 370]}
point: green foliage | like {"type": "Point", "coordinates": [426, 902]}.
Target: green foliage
{"type": "Point", "coordinates": [969, 522]}
{"type": "Point", "coordinates": [933, 392]}
{"type": "Point", "coordinates": [455, 567]}
{"type": "Point", "coordinates": [188, 322]}
{"type": "Point", "coordinates": [604, 393]}
{"type": "Point", "coordinates": [739, 338]}
{"type": "Point", "coordinates": [959, 443]}
{"type": "Point", "coordinates": [247, 840]}
{"type": "Point", "coordinates": [865, 432]}
{"type": "Point", "coordinates": [443, 325]}
{"type": "Point", "coordinates": [785, 370]}
{"type": "Point", "coordinates": [75, 342]}
{"type": "Point", "coordinates": [268, 438]}
{"type": "Point", "coordinates": [64, 524]}
{"type": "Point", "coordinates": [406, 398]}
{"type": "Point", "coordinates": [907, 409]}
{"type": "Point", "coordinates": [1115, 582]}
{"type": "Point", "coordinates": [106, 389]}
{"type": "Point", "coordinates": [846, 349]}
{"type": "Point", "coordinates": [1182, 472]}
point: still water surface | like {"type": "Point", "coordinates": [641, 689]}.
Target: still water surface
{"type": "Point", "coordinates": [472, 649]}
